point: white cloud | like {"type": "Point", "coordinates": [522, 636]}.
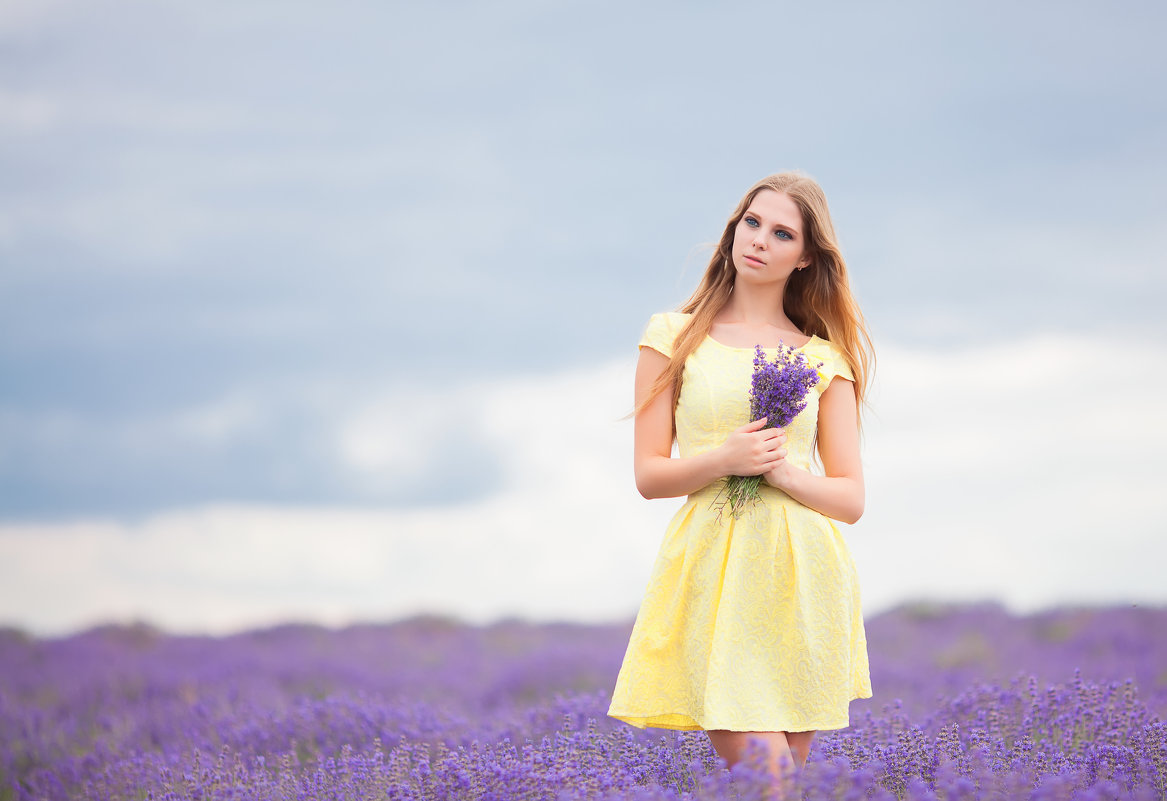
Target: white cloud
{"type": "Point", "coordinates": [1016, 472]}
{"type": "Point", "coordinates": [1027, 472]}
{"type": "Point", "coordinates": [568, 537]}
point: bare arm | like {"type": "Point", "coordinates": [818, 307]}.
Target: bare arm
{"type": "Point", "coordinates": [746, 452]}
{"type": "Point", "coordinates": [838, 494]}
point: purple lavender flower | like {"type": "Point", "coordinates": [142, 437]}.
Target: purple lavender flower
{"type": "Point", "coordinates": [971, 702]}
{"type": "Point", "coordinates": [778, 391]}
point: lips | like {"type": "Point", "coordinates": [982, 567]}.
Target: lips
{"type": "Point", "coordinates": [753, 260]}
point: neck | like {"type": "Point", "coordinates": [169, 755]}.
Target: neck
{"type": "Point", "coordinates": [756, 306]}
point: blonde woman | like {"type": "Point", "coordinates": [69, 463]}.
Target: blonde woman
{"type": "Point", "coordinates": [751, 626]}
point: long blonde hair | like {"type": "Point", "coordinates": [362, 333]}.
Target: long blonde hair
{"type": "Point", "coordinates": [817, 299]}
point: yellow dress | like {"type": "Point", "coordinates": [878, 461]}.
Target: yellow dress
{"type": "Point", "coordinates": [751, 624]}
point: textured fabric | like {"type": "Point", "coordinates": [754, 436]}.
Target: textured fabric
{"type": "Point", "coordinates": [751, 624]}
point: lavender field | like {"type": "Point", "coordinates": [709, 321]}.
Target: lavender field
{"type": "Point", "coordinates": [970, 702]}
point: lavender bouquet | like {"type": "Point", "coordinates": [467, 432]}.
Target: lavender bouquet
{"type": "Point", "coordinates": [778, 391]}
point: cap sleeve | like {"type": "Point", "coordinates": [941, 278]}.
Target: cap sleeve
{"type": "Point", "coordinates": [834, 364]}
{"type": "Point", "coordinates": [662, 330]}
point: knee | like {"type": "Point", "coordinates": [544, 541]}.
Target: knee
{"type": "Point", "coordinates": [799, 742]}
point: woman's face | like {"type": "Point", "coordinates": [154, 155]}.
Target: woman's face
{"type": "Point", "coordinates": [767, 242]}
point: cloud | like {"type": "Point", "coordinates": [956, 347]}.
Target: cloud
{"type": "Point", "coordinates": [565, 535]}
{"type": "Point", "coordinates": [1024, 472]}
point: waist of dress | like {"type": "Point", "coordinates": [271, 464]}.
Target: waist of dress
{"type": "Point", "coordinates": [766, 493]}
{"type": "Point", "coordinates": [709, 499]}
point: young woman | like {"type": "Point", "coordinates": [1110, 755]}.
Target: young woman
{"type": "Point", "coordinates": [751, 625]}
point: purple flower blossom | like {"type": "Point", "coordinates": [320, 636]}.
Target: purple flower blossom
{"type": "Point", "coordinates": [433, 709]}
{"type": "Point", "coordinates": [778, 388]}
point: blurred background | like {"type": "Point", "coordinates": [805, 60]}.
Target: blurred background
{"type": "Point", "coordinates": [328, 312]}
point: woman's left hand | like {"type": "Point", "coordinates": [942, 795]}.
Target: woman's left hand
{"type": "Point", "coordinates": [780, 475]}
{"type": "Point", "coordinates": [838, 493]}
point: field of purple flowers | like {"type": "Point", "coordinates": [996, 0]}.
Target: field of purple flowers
{"type": "Point", "coordinates": [970, 702]}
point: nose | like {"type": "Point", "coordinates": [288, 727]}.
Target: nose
{"type": "Point", "coordinates": [759, 239]}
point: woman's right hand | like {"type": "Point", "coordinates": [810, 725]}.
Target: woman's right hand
{"type": "Point", "coordinates": [752, 450]}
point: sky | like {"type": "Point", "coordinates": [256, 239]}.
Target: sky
{"type": "Point", "coordinates": [329, 312]}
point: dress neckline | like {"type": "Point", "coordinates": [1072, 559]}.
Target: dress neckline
{"type": "Point", "coordinates": [751, 348]}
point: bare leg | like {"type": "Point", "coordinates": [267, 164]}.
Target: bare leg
{"type": "Point", "coordinates": [731, 746]}
{"type": "Point", "coordinates": [799, 742]}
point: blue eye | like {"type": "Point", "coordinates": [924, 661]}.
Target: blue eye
{"type": "Point", "coordinates": [750, 221]}
{"type": "Point", "coordinates": [783, 235]}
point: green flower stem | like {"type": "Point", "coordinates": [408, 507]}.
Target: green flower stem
{"type": "Point", "coordinates": [739, 492]}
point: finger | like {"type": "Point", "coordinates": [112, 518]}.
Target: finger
{"type": "Point", "coordinates": [754, 425]}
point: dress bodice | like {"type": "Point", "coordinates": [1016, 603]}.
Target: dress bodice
{"type": "Point", "coordinates": [715, 389]}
